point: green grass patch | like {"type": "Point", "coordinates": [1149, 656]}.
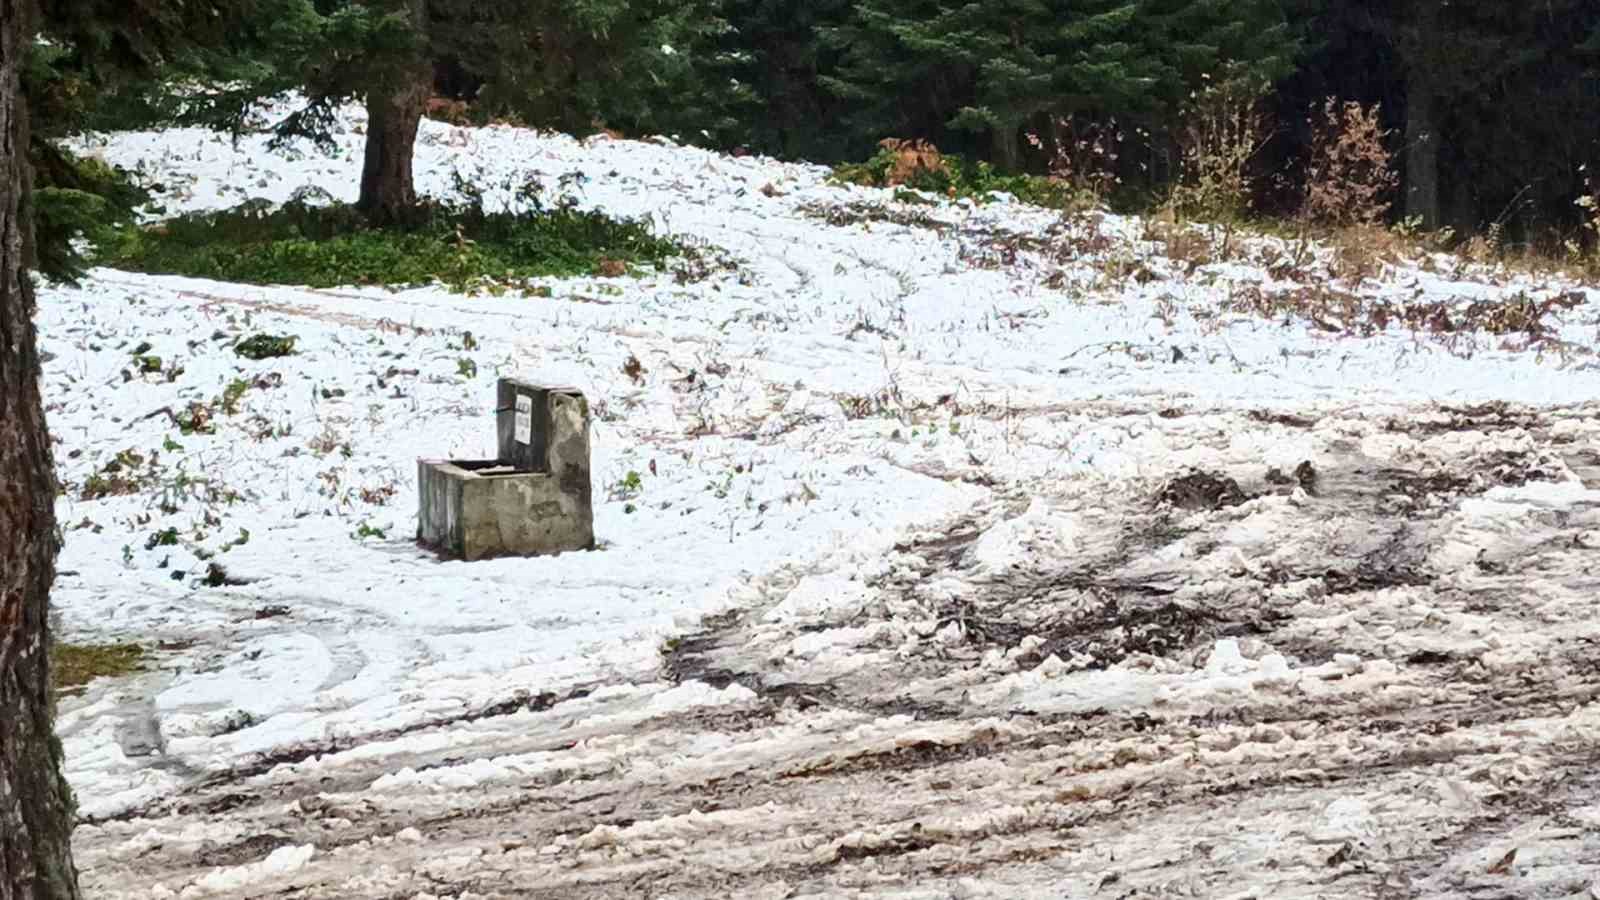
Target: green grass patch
{"type": "Point", "coordinates": [259, 347]}
{"type": "Point", "coordinates": [74, 665]}
{"type": "Point", "coordinates": [961, 177]}
{"type": "Point", "coordinates": [460, 246]}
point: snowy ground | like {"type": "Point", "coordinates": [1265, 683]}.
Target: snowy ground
{"type": "Point", "coordinates": [971, 554]}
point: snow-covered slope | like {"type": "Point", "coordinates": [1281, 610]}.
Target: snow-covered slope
{"type": "Point", "coordinates": [971, 554]}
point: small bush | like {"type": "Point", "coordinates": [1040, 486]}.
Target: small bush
{"type": "Point", "coordinates": [127, 473]}
{"type": "Point", "coordinates": [1362, 251]}
{"type": "Point", "coordinates": [74, 197]}
{"type": "Point", "coordinates": [954, 177]}
{"type": "Point", "coordinates": [1589, 208]}
{"type": "Point", "coordinates": [1222, 130]}
{"type": "Point", "coordinates": [1349, 178]}
{"type": "Point", "coordinates": [264, 346]}
{"type": "Point", "coordinates": [910, 160]}
{"type": "Point", "coordinates": [1083, 158]}
{"type": "Point", "coordinates": [459, 245]}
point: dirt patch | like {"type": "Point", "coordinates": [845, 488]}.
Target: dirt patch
{"type": "Point", "coordinates": [1420, 487]}
{"type": "Point", "coordinates": [915, 755]}
{"type": "Point", "coordinates": [861, 211]}
{"type": "Point", "coordinates": [1485, 417]}
{"type": "Point", "coordinates": [1287, 420]}
{"type": "Point", "coordinates": [1515, 469]}
{"type": "Point", "coordinates": [1201, 490]}
{"type": "Point", "coordinates": [691, 657]}
{"type": "Point", "coordinates": [946, 550]}
{"type": "Point", "coordinates": [1373, 576]}
{"type": "Point", "coordinates": [248, 850]}
{"type": "Point", "coordinates": [1498, 469]}
{"type": "Point", "coordinates": [1124, 620]}
{"type": "Point", "coordinates": [195, 797]}
{"type": "Point", "coordinates": [1305, 476]}
{"type": "Point", "coordinates": [1398, 562]}
{"type": "Point", "coordinates": [1118, 630]}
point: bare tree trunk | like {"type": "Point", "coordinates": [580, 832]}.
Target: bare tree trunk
{"type": "Point", "coordinates": [35, 803]}
{"type": "Point", "coordinates": [394, 110]}
{"type": "Point", "coordinates": [1007, 148]}
{"type": "Point", "coordinates": [388, 189]}
{"type": "Point", "coordinates": [1422, 154]}
{"type": "Point", "coordinates": [1422, 138]}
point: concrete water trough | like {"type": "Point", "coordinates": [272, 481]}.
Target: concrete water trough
{"type": "Point", "coordinates": [533, 499]}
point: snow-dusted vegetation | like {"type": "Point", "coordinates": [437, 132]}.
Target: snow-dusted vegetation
{"type": "Point", "coordinates": [945, 549]}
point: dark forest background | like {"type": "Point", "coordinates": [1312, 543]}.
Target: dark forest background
{"type": "Point", "coordinates": [1491, 108]}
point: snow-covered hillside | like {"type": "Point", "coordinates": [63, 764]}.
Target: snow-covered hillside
{"type": "Point", "coordinates": [969, 552]}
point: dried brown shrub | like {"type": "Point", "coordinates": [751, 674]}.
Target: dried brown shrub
{"type": "Point", "coordinates": [443, 109]}
{"type": "Point", "coordinates": [1349, 176]}
{"type": "Point", "coordinates": [911, 158]}
{"type": "Point", "coordinates": [1185, 245]}
{"type": "Point", "coordinates": [1361, 251]}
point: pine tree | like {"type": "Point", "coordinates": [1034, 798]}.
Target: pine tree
{"type": "Point", "coordinates": [932, 67]}
{"type": "Point", "coordinates": [94, 68]}
{"type": "Point", "coordinates": [566, 65]}
{"type": "Point", "coordinates": [761, 72]}
{"type": "Point", "coordinates": [1520, 120]}
{"type": "Point", "coordinates": [1494, 102]}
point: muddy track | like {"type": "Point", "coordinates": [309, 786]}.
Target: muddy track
{"type": "Point", "coordinates": [1372, 677]}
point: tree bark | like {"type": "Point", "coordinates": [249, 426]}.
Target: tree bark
{"type": "Point", "coordinates": [394, 110]}
{"type": "Point", "coordinates": [35, 803]}
{"type": "Point", "coordinates": [1007, 148]}
{"type": "Point", "coordinates": [388, 188]}
{"type": "Point", "coordinates": [1422, 137]}
{"type": "Point", "coordinates": [1422, 154]}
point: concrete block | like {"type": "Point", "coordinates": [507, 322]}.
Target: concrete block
{"type": "Point", "coordinates": [534, 499]}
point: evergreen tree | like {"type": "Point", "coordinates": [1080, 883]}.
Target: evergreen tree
{"type": "Point", "coordinates": [1494, 102]}
{"type": "Point", "coordinates": [566, 65]}
{"type": "Point", "coordinates": [1193, 40]}
{"type": "Point", "coordinates": [928, 67]}
{"type": "Point", "coordinates": [93, 67]}
{"type": "Point", "coordinates": [1519, 123]}
{"type": "Point", "coordinates": [762, 73]}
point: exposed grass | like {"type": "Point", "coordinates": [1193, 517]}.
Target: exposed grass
{"type": "Point", "coordinates": [956, 177]}
{"type": "Point", "coordinates": [328, 246]}
{"type": "Point", "coordinates": [264, 346]}
{"type": "Point", "coordinates": [74, 665]}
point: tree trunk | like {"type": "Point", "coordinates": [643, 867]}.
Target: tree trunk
{"type": "Point", "coordinates": [1422, 137]}
{"type": "Point", "coordinates": [35, 803]}
{"type": "Point", "coordinates": [394, 110]}
{"type": "Point", "coordinates": [1007, 148]}
{"type": "Point", "coordinates": [388, 189]}
{"type": "Point", "coordinates": [1422, 154]}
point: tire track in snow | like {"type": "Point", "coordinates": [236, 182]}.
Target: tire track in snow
{"type": "Point", "coordinates": [1074, 688]}
{"type": "Point", "coordinates": [1329, 694]}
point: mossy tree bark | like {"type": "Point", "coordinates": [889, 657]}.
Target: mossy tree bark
{"type": "Point", "coordinates": [35, 803]}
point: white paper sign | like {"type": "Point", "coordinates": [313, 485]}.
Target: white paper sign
{"type": "Point", "coordinates": [524, 432]}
